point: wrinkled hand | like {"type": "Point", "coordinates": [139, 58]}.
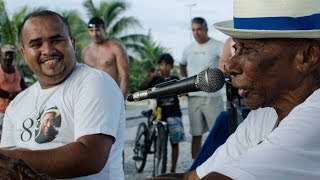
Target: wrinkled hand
{"type": "Point", "coordinates": [17, 169]}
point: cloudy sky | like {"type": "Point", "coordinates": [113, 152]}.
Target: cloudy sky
{"type": "Point", "coordinates": [168, 20]}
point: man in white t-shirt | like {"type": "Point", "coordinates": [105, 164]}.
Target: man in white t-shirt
{"type": "Point", "coordinates": [203, 107]}
{"type": "Point", "coordinates": [70, 123]}
{"type": "Point", "coordinates": [276, 68]}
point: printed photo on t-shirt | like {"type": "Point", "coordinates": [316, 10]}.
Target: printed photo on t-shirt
{"type": "Point", "coordinates": [47, 127]}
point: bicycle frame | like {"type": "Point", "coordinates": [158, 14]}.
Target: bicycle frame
{"type": "Point", "coordinates": [154, 132]}
{"type": "Point", "coordinates": [151, 134]}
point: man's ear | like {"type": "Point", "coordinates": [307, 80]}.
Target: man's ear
{"type": "Point", "coordinates": [307, 58]}
{"type": "Point", "coordinates": [73, 41]}
{"type": "Point", "coordinates": [314, 53]}
{"type": "Point", "coordinates": [22, 50]}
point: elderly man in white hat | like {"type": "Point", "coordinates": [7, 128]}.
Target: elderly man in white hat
{"type": "Point", "coordinates": [276, 68]}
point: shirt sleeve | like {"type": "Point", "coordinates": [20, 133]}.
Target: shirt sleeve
{"type": "Point", "coordinates": [220, 48]}
{"type": "Point", "coordinates": [245, 137]}
{"type": "Point", "coordinates": [98, 107]}
{"type": "Point", "coordinates": [7, 136]}
{"type": "Point", "coordinates": [184, 58]}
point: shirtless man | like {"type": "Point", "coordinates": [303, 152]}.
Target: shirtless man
{"type": "Point", "coordinates": [106, 54]}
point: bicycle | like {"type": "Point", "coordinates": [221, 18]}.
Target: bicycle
{"type": "Point", "coordinates": [151, 138]}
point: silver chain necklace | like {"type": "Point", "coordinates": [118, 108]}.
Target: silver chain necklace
{"type": "Point", "coordinates": [44, 96]}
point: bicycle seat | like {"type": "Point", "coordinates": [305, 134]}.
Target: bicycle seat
{"type": "Point", "coordinates": [147, 113]}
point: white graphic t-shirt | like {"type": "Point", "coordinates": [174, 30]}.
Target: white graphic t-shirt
{"type": "Point", "coordinates": [88, 102]}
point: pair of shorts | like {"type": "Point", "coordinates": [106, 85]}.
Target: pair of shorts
{"type": "Point", "coordinates": [203, 112]}
{"type": "Point", "coordinates": [176, 130]}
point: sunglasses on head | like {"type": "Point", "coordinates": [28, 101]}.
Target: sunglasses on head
{"type": "Point", "coordinates": [95, 25]}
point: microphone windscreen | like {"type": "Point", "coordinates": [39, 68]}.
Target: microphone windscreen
{"type": "Point", "coordinates": [210, 80]}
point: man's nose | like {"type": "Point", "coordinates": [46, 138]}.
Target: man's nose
{"type": "Point", "coordinates": [96, 32]}
{"type": "Point", "coordinates": [47, 48]}
{"type": "Point", "coordinates": [233, 66]}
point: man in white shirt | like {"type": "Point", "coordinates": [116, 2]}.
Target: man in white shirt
{"type": "Point", "coordinates": [203, 107]}
{"type": "Point", "coordinates": [68, 124]}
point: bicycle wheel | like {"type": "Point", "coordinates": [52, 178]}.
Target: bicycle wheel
{"type": "Point", "coordinates": [160, 151]}
{"type": "Point", "coordinates": [140, 148]}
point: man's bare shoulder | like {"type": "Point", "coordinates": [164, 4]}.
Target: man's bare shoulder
{"type": "Point", "coordinates": [109, 43]}
{"type": "Point", "coordinates": [87, 49]}
{"type": "Point", "coordinates": [113, 43]}
{"type": "Point", "coordinates": [86, 52]}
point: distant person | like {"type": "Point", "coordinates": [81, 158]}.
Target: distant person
{"type": "Point", "coordinates": [106, 54]}
{"type": "Point", "coordinates": [227, 52]}
{"type": "Point", "coordinates": [152, 103]}
{"type": "Point", "coordinates": [203, 107]}
{"type": "Point", "coordinates": [170, 106]}
{"type": "Point", "coordinates": [11, 79]}
{"type": "Point", "coordinates": [233, 99]}
{"type": "Point", "coordinates": [151, 71]}
{"type": "Point", "coordinates": [70, 123]}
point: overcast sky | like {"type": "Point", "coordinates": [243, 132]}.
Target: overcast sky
{"type": "Point", "coordinates": [168, 20]}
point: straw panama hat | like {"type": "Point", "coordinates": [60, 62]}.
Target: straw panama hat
{"type": "Point", "coordinates": [273, 19]}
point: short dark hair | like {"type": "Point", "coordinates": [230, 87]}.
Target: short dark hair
{"type": "Point", "coordinates": [200, 20]}
{"type": "Point", "coordinates": [165, 57]}
{"type": "Point", "coordinates": [152, 69]}
{"type": "Point", "coordinates": [41, 12]}
{"type": "Point", "coordinates": [96, 22]}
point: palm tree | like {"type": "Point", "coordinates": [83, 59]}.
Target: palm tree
{"type": "Point", "coordinates": [148, 52]}
{"type": "Point", "coordinates": [116, 25]}
{"type": "Point", "coordinates": [9, 28]}
{"type": "Point", "coordinates": [78, 30]}
{"type": "Point", "coordinates": [5, 25]}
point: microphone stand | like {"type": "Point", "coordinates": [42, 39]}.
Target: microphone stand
{"type": "Point", "coordinates": [235, 116]}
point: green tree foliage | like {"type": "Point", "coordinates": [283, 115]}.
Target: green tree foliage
{"type": "Point", "coordinates": [149, 52]}
{"type": "Point", "coordinates": [78, 30]}
{"type": "Point", "coordinates": [7, 27]}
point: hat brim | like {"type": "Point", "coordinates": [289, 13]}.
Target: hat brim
{"type": "Point", "coordinates": [226, 27]}
{"type": "Point", "coordinates": [8, 51]}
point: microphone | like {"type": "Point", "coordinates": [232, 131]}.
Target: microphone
{"type": "Point", "coordinates": [208, 80]}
